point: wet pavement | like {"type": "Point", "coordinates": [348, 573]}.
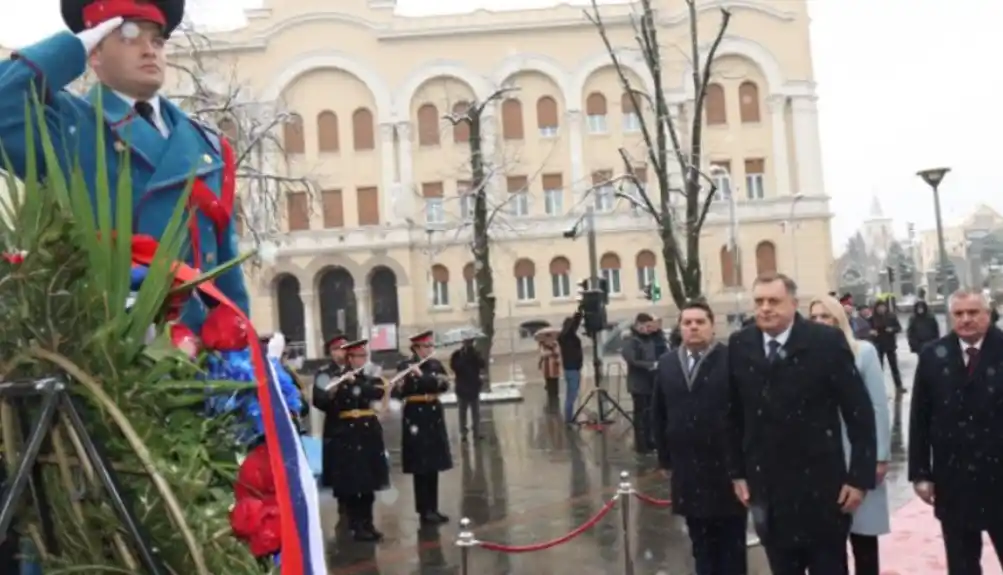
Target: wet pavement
{"type": "Point", "coordinates": [531, 479]}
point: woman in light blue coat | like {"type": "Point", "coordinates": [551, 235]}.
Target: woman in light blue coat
{"type": "Point", "coordinates": [871, 519]}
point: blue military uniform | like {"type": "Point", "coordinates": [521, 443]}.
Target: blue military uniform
{"type": "Point", "coordinates": [160, 165]}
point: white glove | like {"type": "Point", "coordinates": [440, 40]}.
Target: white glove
{"type": "Point", "coordinates": [92, 37]}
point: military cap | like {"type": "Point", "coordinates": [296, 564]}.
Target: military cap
{"type": "Point", "coordinates": [81, 15]}
{"type": "Point", "coordinates": [335, 341]}
{"type": "Point", "coordinates": [427, 336]}
{"type": "Point", "coordinates": [352, 345]}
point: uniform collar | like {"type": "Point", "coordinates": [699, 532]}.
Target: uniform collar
{"type": "Point", "coordinates": [154, 102]}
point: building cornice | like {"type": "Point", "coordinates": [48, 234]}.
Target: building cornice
{"type": "Point", "coordinates": [478, 22]}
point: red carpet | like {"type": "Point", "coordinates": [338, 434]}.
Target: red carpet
{"type": "Point", "coordinates": [915, 546]}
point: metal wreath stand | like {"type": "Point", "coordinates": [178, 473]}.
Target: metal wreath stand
{"type": "Point", "coordinates": [56, 402]}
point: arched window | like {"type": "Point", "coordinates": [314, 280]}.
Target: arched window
{"type": "Point", "coordinates": [525, 280]}
{"type": "Point", "coordinates": [461, 131]}
{"type": "Point", "coordinates": [595, 113]}
{"type": "Point", "coordinates": [560, 277]}
{"type": "Point", "coordinates": [714, 105]}
{"type": "Point", "coordinates": [428, 125]}
{"type": "Point", "coordinates": [470, 283]}
{"type": "Point", "coordinates": [292, 135]}
{"type": "Point", "coordinates": [546, 117]}
{"type": "Point", "coordinates": [645, 262]}
{"type": "Point", "coordinates": [766, 258]}
{"type": "Point", "coordinates": [440, 286]}
{"type": "Point", "coordinates": [748, 102]}
{"type": "Point", "coordinates": [631, 119]}
{"type": "Point", "coordinates": [327, 132]}
{"type": "Point", "coordinates": [362, 130]}
{"type": "Point", "coordinates": [512, 119]}
{"type": "Point", "coordinates": [731, 268]}
{"type": "Point", "coordinates": [609, 270]}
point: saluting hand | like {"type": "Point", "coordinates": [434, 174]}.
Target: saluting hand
{"type": "Point", "coordinates": [91, 37]}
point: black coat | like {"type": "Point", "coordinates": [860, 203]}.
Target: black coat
{"type": "Point", "coordinates": [355, 458]}
{"type": "Point", "coordinates": [467, 365]}
{"type": "Point", "coordinates": [572, 356]}
{"type": "Point", "coordinates": [923, 328]}
{"type": "Point", "coordinates": [888, 327]}
{"type": "Point", "coordinates": [787, 440]}
{"type": "Point", "coordinates": [690, 427]}
{"type": "Point", "coordinates": [956, 430]}
{"type": "Point", "coordinates": [424, 439]}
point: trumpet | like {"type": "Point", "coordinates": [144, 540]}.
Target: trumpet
{"type": "Point", "coordinates": [328, 384]}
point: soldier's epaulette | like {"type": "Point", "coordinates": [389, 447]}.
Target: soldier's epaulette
{"type": "Point", "coordinates": [211, 134]}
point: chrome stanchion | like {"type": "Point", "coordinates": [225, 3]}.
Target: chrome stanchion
{"type": "Point", "coordinates": [465, 540]}
{"type": "Point", "coordinates": [624, 492]}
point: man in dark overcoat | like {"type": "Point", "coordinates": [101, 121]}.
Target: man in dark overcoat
{"type": "Point", "coordinates": [353, 440]}
{"type": "Point", "coordinates": [322, 401]}
{"type": "Point", "coordinates": [640, 352]}
{"type": "Point", "coordinates": [956, 432]}
{"type": "Point", "coordinates": [468, 367]}
{"type": "Point", "coordinates": [794, 386]}
{"type": "Point", "coordinates": [424, 439]}
{"type": "Point", "coordinates": [689, 415]}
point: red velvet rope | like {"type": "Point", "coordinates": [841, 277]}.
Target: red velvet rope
{"type": "Point", "coordinates": [652, 500]}
{"type": "Point", "coordinates": [553, 542]}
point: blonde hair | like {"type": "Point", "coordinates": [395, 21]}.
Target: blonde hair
{"type": "Point", "coordinates": [835, 309]}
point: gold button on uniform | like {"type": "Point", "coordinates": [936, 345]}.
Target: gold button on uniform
{"type": "Point", "coordinates": [207, 159]}
{"type": "Point", "coordinates": [210, 258]}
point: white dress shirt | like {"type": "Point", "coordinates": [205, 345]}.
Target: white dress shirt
{"type": "Point", "coordinates": [158, 118]}
{"type": "Point", "coordinates": [781, 338]}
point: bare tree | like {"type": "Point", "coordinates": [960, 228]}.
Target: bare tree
{"type": "Point", "coordinates": [482, 172]}
{"type": "Point", "coordinates": [218, 98]}
{"type": "Point", "coordinates": [667, 146]}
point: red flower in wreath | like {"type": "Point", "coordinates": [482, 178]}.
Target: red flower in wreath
{"type": "Point", "coordinates": [255, 516]}
{"type": "Point", "coordinates": [14, 258]}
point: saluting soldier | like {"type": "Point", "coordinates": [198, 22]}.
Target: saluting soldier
{"type": "Point", "coordinates": [424, 440]}
{"type": "Point", "coordinates": [124, 43]}
{"type": "Point", "coordinates": [322, 401]}
{"type": "Point", "coordinates": [355, 463]}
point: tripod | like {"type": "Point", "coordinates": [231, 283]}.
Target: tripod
{"type": "Point", "coordinates": [600, 394]}
{"type": "Point", "coordinates": [56, 400]}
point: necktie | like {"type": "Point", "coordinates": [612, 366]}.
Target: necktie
{"type": "Point", "coordinates": [145, 111]}
{"type": "Point", "coordinates": [774, 354]}
{"type": "Point", "coordinates": [973, 358]}
{"type": "Point", "coordinates": [694, 361]}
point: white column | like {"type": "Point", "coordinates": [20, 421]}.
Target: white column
{"type": "Point", "coordinates": [808, 148]}
{"type": "Point", "coordinates": [388, 157]}
{"type": "Point", "coordinates": [309, 300]}
{"type": "Point", "coordinates": [576, 140]}
{"type": "Point", "coordinates": [405, 167]}
{"type": "Point", "coordinates": [362, 308]}
{"type": "Point", "coordinates": [781, 166]}
{"type": "Point", "coordinates": [492, 158]}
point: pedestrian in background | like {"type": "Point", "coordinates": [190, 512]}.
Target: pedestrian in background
{"type": "Point", "coordinates": [956, 432]}
{"type": "Point", "coordinates": [572, 359]}
{"type": "Point", "coordinates": [922, 328]}
{"type": "Point", "coordinates": [640, 352]}
{"type": "Point", "coordinates": [689, 414]}
{"type": "Point", "coordinates": [871, 519]}
{"type": "Point", "coordinates": [549, 364]}
{"type": "Point", "coordinates": [468, 368]}
{"type": "Point", "coordinates": [885, 330]}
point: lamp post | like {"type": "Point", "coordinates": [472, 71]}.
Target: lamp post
{"type": "Point", "coordinates": [793, 233]}
{"type": "Point", "coordinates": [933, 177]}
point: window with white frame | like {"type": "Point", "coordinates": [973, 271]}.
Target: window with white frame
{"type": "Point", "coordinates": [645, 276]}
{"type": "Point", "coordinates": [553, 194]}
{"type": "Point", "coordinates": [467, 200]}
{"type": "Point", "coordinates": [440, 286]}
{"type": "Point", "coordinates": [470, 283]}
{"type": "Point", "coordinates": [525, 280]}
{"type": "Point", "coordinates": [755, 178]}
{"type": "Point", "coordinates": [609, 270]}
{"type": "Point", "coordinates": [548, 131]}
{"type": "Point", "coordinates": [631, 122]}
{"type": "Point", "coordinates": [434, 212]}
{"type": "Point", "coordinates": [520, 204]}
{"type": "Point", "coordinates": [720, 172]}
{"type": "Point", "coordinates": [560, 277]}
{"type": "Point", "coordinates": [518, 188]}
{"type": "Point", "coordinates": [596, 124]}
{"type": "Point", "coordinates": [605, 193]}
{"type": "Point", "coordinates": [634, 189]}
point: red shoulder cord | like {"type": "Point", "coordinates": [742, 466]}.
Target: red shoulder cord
{"type": "Point", "coordinates": [218, 208]}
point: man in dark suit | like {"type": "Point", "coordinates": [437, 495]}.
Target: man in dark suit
{"type": "Point", "coordinates": [956, 432]}
{"type": "Point", "coordinates": [790, 381]}
{"type": "Point", "coordinates": [689, 422]}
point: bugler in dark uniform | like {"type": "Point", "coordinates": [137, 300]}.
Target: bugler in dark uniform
{"type": "Point", "coordinates": [355, 463]}
{"type": "Point", "coordinates": [424, 440]}
{"type": "Point", "coordinates": [332, 370]}
{"type": "Point", "coordinates": [163, 145]}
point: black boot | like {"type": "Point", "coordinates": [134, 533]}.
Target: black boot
{"type": "Point", "coordinates": [365, 533]}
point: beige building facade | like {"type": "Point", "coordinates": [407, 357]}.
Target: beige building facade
{"type": "Point", "coordinates": [384, 240]}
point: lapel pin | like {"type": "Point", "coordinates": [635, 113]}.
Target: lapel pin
{"type": "Point", "coordinates": [207, 159]}
{"type": "Point", "coordinates": [119, 146]}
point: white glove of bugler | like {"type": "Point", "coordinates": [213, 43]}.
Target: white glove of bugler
{"type": "Point", "coordinates": [90, 38]}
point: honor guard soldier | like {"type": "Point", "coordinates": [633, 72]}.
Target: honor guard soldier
{"type": "Point", "coordinates": [124, 41]}
{"type": "Point", "coordinates": [355, 463]}
{"type": "Point", "coordinates": [424, 440]}
{"type": "Point", "coordinates": [322, 401]}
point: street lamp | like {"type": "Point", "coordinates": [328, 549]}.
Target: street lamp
{"type": "Point", "coordinates": [933, 177]}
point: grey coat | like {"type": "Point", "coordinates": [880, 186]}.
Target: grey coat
{"type": "Point", "coordinates": [872, 517]}
{"type": "Point", "coordinates": [640, 352]}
